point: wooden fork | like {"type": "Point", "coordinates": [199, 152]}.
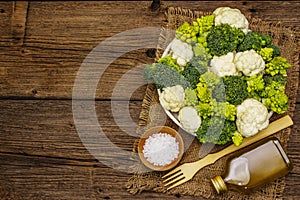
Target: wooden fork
{"type": "Point", "coordinates": [186, 171]}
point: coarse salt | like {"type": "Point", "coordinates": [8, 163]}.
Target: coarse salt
{"type": "Point", "coordinates": [161, 149]}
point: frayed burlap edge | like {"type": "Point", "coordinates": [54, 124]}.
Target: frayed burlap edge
{"type": "Point", "coordinates": [286, 39]}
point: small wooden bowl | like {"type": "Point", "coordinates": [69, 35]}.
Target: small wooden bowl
{"type": "Point", "coordinates": [160, 129]}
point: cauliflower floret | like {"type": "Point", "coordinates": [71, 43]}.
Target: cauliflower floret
{"type": "Point", "coordinates": [232, 17]}
{"type": "Point", "coordinates": [189, 119]}
{"type": "Point", "coordinates": [224, 65]}
{"type": "Point", "coordinates": [252, 116]}
{"type": "Point", "coordinates": [172, 98]}
{"type": "Point", "coordinates": [182, 52]}
{"type": "Point", "coordinates": [249, 62]}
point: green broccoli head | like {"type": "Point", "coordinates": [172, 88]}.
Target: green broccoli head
{"type": "Point", "coordinates": [193, 70]}
{"type": "Point", "coordinates": [235, 89]}
{"type": "Point", "coordinates": [254, 40]}
{"type": "Point", "coordinates": [216, 130]}
{"type": "Point", "coordinates": [223, 39]}
{"type": "Point", "coordinates": [164, 76]}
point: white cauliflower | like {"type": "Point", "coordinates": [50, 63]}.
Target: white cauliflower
{"type": "Point", "coordinates": [172, 98]}
{"type": "Point", "coordinates": [232, 17]}
{"type": "Point", "coordinates": [189, 119]}
{"type": "Point", "coordinates": [249, 62]}
{"type": "Point", "coordinates": [224, 65]}
{"type": "Point", "coordinates": [182, 52]}
{"type": "Point", "coordinates": [252, 116]}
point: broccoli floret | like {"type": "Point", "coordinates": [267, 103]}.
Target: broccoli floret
{"type": "Point", "coordinates": [216, 130]}
{"type": "Point", "coordinates": [254, 40]}
{"type": "Point", "coordinates": [168, 60]}
{"type": "Point", "coordinates": [278, 65]}
{"type": "Point", "coordinates": [235, 89]}
{"type": "Point", "coordinates": [164, 76]}
{"type": "Point", "coordinates": [200, 63]}
{"type": "Point", "coordinates": [191, 98]}
{"type": "Point", "coordinates": [223, 39]}
{"type": "Point", "coordinates": [237, 138]}
{"type": "Point", "coordinates": [192, 72]}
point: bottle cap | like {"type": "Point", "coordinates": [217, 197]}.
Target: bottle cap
{"type": "Point", "coordinates": [219, 184]}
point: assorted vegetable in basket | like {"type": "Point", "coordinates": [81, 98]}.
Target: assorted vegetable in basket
{"type": "Point", "coordinates": [224, 80]}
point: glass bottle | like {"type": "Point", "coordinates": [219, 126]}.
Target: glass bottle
{"type": "Point", "coordinates": [254, 166]}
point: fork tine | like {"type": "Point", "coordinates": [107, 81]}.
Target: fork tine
{"type": "Point", "coordinates": [172, 172]}
{"type": "Point", "coordinates": [173, 176]}
{"type": "Point", "coordinates": [175, 180]}
{"type": "Point", "coordinates": [178, 183]}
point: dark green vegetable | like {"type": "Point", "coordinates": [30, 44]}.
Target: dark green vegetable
{"type": "Point", "coordinates": [195, 68]}
{"type": "Point", "coordinates": [255, 40]}
{"type": "Point", "coordinates": [236, 89]}
{"type": "Point", "coordinates": [223, 39]}
{"type": "Point", "coordinates": [164, 76]}
{"type": "Point", "coordinates": [216, 130]}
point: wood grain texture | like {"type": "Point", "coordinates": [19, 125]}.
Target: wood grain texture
{"type": "Point", "coordinates": [18, 21]}
{"type": "Point", "coordinates": [46, 142]}
{"type": "Point", "coordinates": [59, 35]}
{"type": "Point", "coordinates": [41, 153]}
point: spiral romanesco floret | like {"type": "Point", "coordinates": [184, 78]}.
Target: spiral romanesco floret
{"type": "Point", "coordinates": [197, 32]}
{"type": "Point", "coordinates": [255, 84]}
{"type": "Point", "coordinates": [266, 53]}
{"type": "Point", "coordinates": [278, 65]}
{"type": "Point", "coordinates": [191, 98]}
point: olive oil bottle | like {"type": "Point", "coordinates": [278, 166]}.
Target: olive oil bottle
{"type": "Point", "coordinates": [254, 166]}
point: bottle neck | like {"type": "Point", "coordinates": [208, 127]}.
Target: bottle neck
{"type": "Point", "coordinates": [219, 184]}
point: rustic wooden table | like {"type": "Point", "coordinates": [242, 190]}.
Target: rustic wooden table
{"type": "Point", "coordinates": [42, 45]}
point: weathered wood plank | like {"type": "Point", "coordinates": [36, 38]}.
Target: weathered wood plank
{"type": "Point", "coordinates": [47, 128]}
{"type": "Point", "coordinates": [5, 19]}
{"type": "Point", "coordinates": [40, 149]}
{"type": "Point", "coordinates": [18, 21]}
{"type": "Point", "coordinates": [59, 36]}
{"type": "Point", "coordinates": [29, 177]}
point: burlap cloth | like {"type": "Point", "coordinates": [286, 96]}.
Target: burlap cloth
{"type": "Point", "coordinates": [152, 114]}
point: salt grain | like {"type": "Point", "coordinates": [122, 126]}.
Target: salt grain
{"type": "Point", "coordinates": [161, 149]}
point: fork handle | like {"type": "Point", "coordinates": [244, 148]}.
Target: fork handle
{"type": "Point", "coordinates": [273, 127]}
